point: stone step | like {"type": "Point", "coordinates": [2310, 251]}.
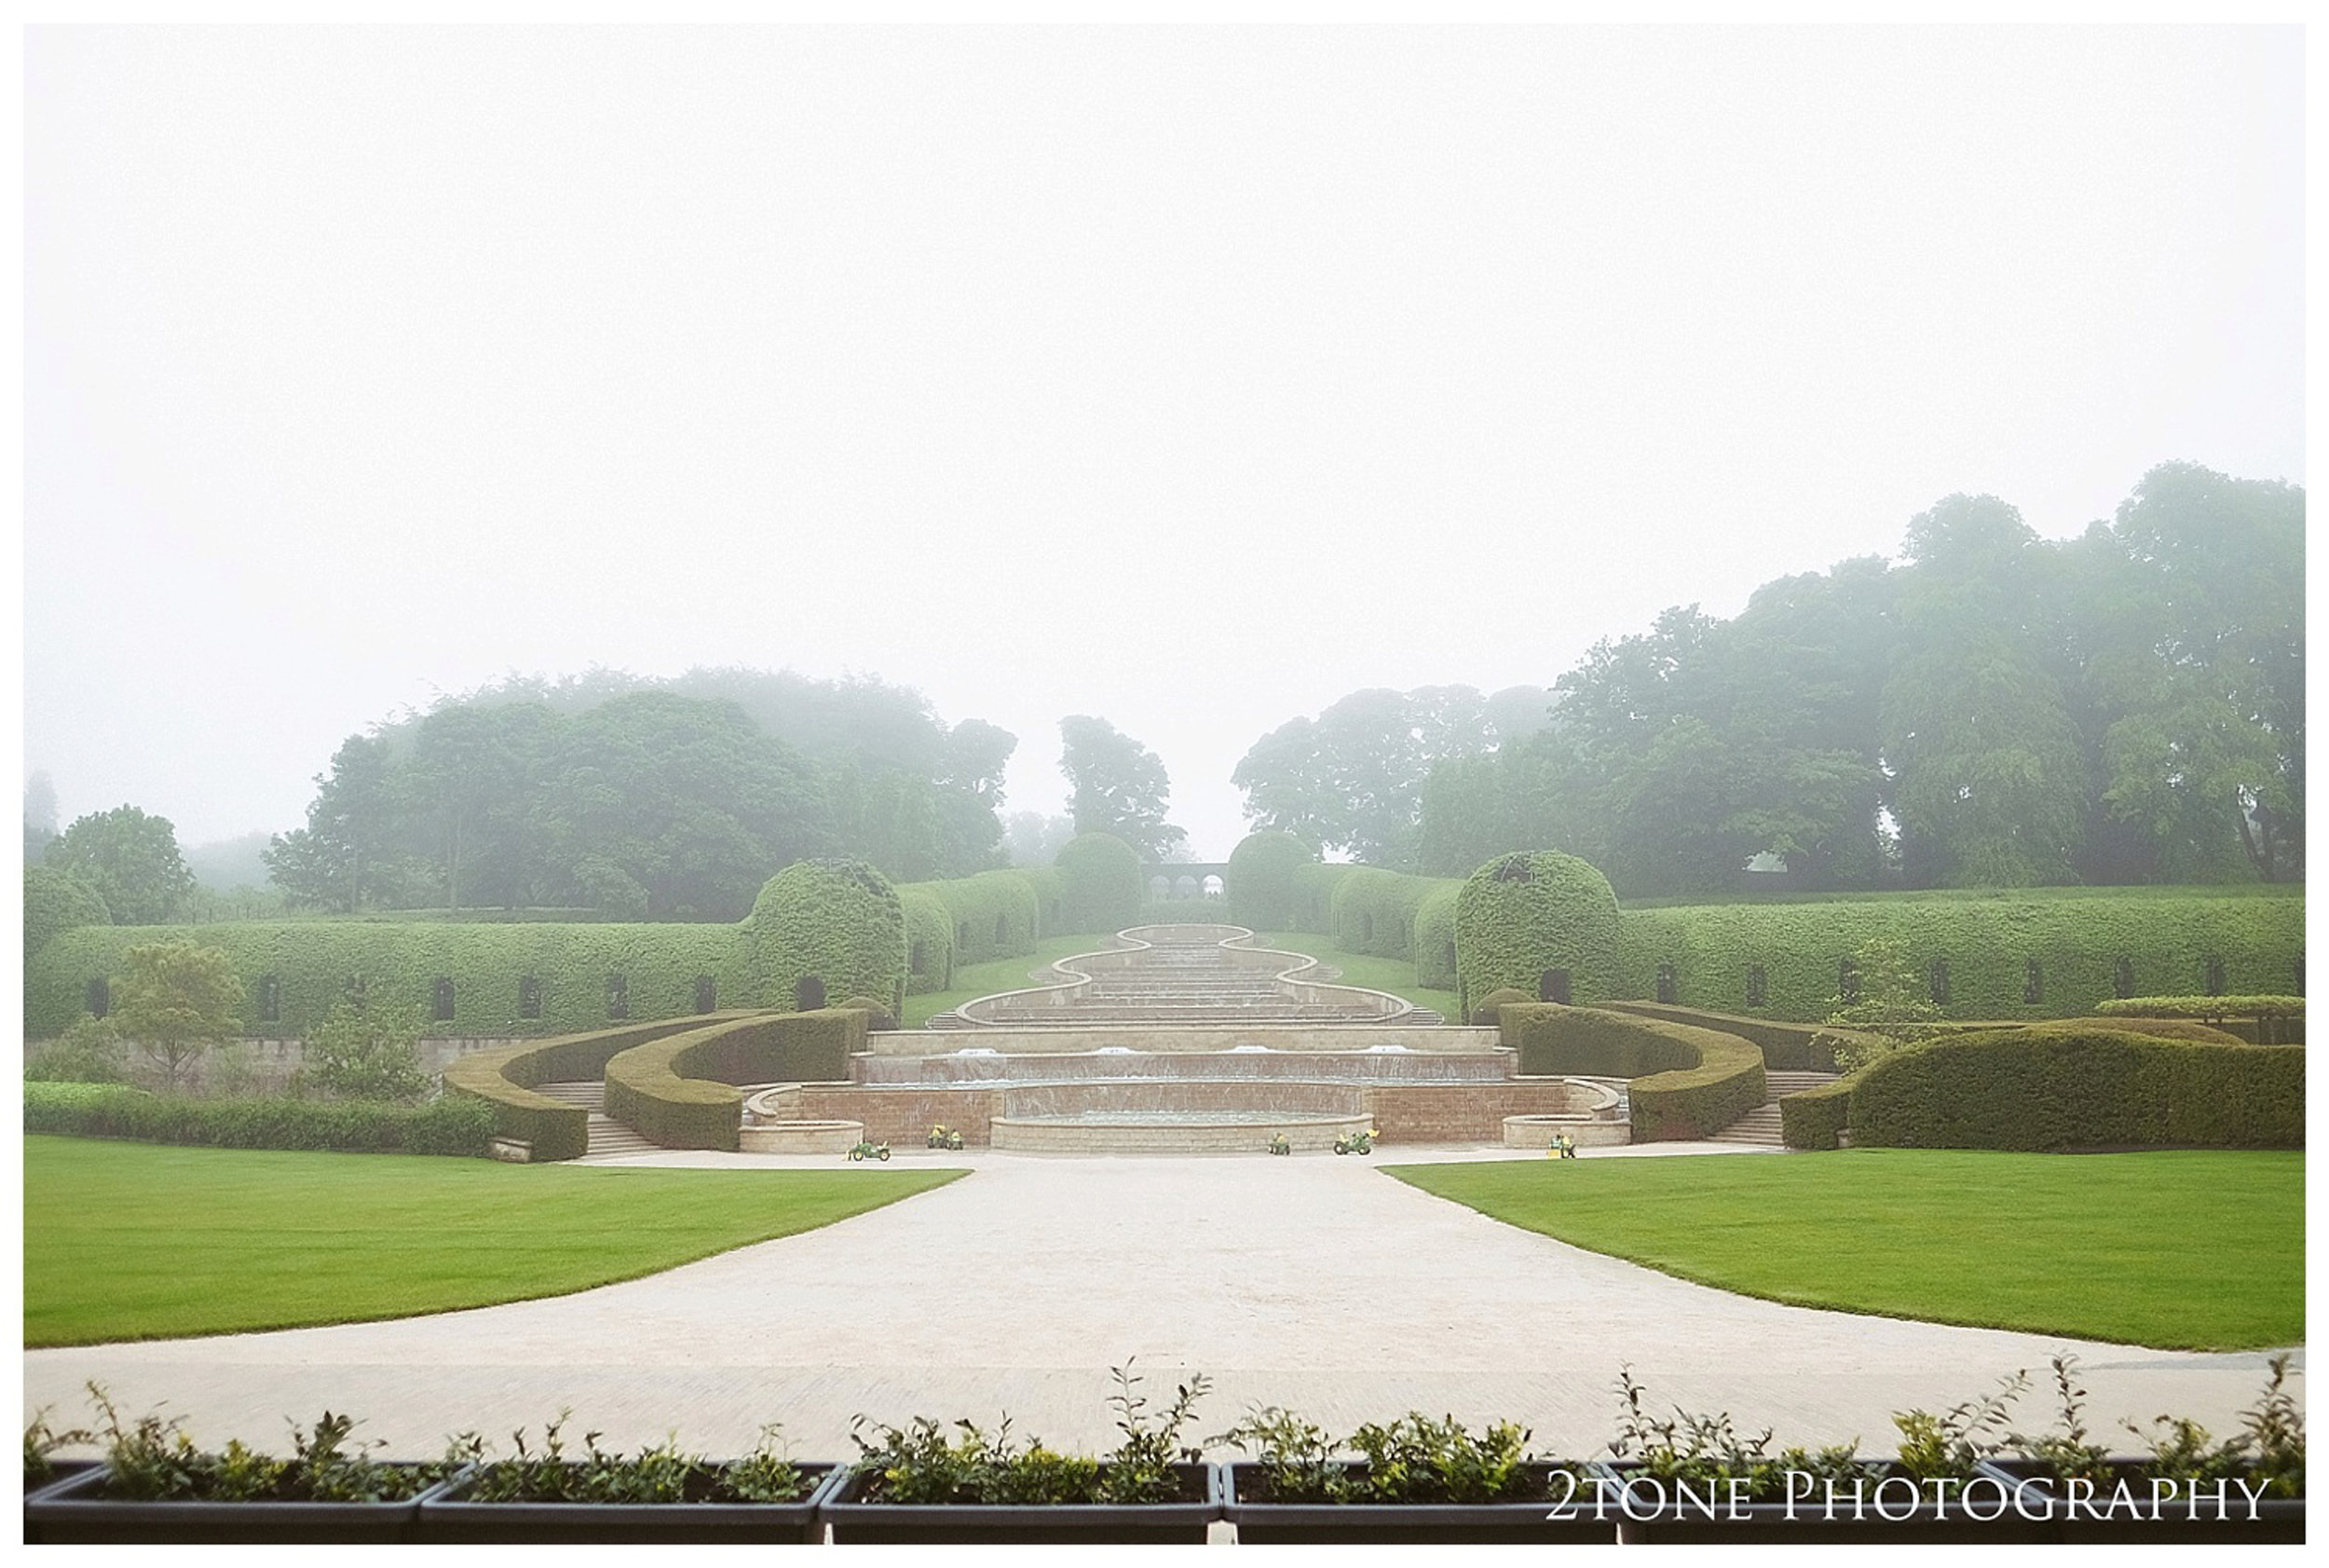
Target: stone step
{"type": "Point", "coordinates": [593, 1095]}
{"type": "Point", "coordinates": [1778, 1086]}
{"type": "Point", "coordinates": [1759, 1125]}
{"type": "Point", "coordinates": [610, 1136]}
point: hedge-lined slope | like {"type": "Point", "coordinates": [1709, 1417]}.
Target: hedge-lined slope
{"type": "Point", "coordinates": [679, 1091]}
{"type": "Point", "coordinates": [2070, 1088]}
{"type": "Point", "coordinates": [823, 930]}
{"type": "Point", "coordinates": [929, 939]}
{"type": "Point", "coordinates": [2001, 958]}
{"type": "Point", "coordinates": [1687, 1082]}
{"type": "Point", "coordinates": [499, 981]}
{"type": "Point", "coordinates": [995, 914]}
{"type": "Point", "coordinates": [1374, 912]}
{"type": "Point", "coordinates": [1527, 916]}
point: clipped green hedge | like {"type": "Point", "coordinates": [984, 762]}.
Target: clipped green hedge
{"type": "Point", "coordinates": [1373, 911]}
{"type": "Point", "coordinates": [839, 922]}
{"type": "Point", "coordinates": [992, 915]}
{"type": "Point", "coordinates": [1100, 885]}
{"type": "Point", "coordinates": [1522, 915]}
{"type": "Point", "coordinates": [929, 939]}
{"type": "Point", "coordinates": [2091, 1088]}
{"type": "Point", "coordinates": [1812, 1119]}
{"type": "Point", "coordinates": [2268, 1020]}
{"type": "Point", "coordinates": [56, 902]}
{"type": "Point", "coordinates": [1314, 895]}
{"type": "Point", "coordinates": [1435, 938]}
{"type": "Point", "coordinates": [680, 1091]}
{"type": "Point", "coordinates": [1987, 944]}
{"type": "Point", "coordinates": [450, 1125]}
{"type": "Point", "coordinates": [1686, 1083]}
{"type": "Point", "coordinates": [504, 1078]}
{"type": "Point", "coordinates": [1786, 1047]}
{"type": "Point", "coordinates": [1490, 1011]}
{"type": "Point", "coordinates": [1261, 882]}
{"type": "Point", "coordinates": [311, 963]}
{"type": "Point", "coordinates": [1051, 907]}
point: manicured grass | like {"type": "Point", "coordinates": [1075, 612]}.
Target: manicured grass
{"type": "Point", "coordinates": [2187, 1251]}
{"type": "Point", "coordinates": [974, 980]}
{"type": "Point", "coordinates": [1396, 975]}
{"type": "Point", "coordinates": [128, 1241]}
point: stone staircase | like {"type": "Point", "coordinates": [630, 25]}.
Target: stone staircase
{"type": "Point", "coordinates": [1762, 1124]}
{"type": "Point", "coordinates": [607, 1136]}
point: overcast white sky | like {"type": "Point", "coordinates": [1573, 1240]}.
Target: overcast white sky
{"type": "Point", "coordinates": [1190, 378]}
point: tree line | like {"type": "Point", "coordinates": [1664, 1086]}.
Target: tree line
{"type": "Point", "coordinates": [1994, 709]}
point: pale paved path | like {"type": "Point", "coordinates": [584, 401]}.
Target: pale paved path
{"type": "Point", "coordinates": [1313, 1282]}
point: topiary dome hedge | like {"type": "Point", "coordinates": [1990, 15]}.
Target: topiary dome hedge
{"type": "Point", "coordinates": [823, 930]}
{"type": "Point", "coordinates": [1524, 920]}
{"type": "Point", "coordinates": [1260, 885]}
{"type": "Point", "coordinates": [1100, 883]}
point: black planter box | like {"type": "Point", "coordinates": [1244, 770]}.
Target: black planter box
{"type": "Point", "coordinates": [1177, 1524]}
{"type": "Point", "coordinates": [73, 1510]}
{"type": "Point", "coordinates": [1415, 1524]}
{"type": "Point", "coordinates": [60, 1472]}
{"type": "Point", "coordinates": [444, 1517]}
{"type": "Point", "coordinates": [2005, 1510]}
{"type": "Point", "coordinates": [2278, 1519]}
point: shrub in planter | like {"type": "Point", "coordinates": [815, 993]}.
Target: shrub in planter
{"type": "Point", "coordinates": [2188, 1487]}
{"type": "Point", "coordinates": [659, 1493]}
{"type": "Point", "coordinates": [914, 1485]}
{"type": "Point", "coordinates": [1415, 1480]}
{"type": "Point", "coordinates": [156, 1486]}
{"type": "Point", "coordinates": [1696, 1477]}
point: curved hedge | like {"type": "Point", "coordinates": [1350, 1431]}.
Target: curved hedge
{"type": "Point", "coordinates": [929, 939]}
{"type": "Point", "coordinates": [1786, 1047]}
{"type": "Point", "coordinates": [1489, 1012]}
{"type": "Point", "coordinates": [56, 902]}
{"type": "Point", "coordinates": [1522, 915]}
{"type": "Point", "coordinates": [450, 1125]}
{"type": "Point", "coordinates": [992, 915]}
{"type": "Point", "coordinates": [2080, 1088]}
{"type": "Point", "coordinates": [1686, 1083]}
{"type": "Point", "coordinates": [1373, 911]}
{"type": "Point", "coordinates": [1314, 895]}
{"type": "Point", "coordinates": [310, 964]}
{"type": "Point", "coordinates": [1261, 882]}
{"type": "Point", "coordinates": [1999, 952]}
{"type": "Point", "coordinates": [504, 1078]}
{"type": "Point", "coordinates": [1434, 944]}
{"type": "Point", "coordinates": [680, 1091]}
{"type": "Point", "coordinates": [1100, 889]}
{"type": "Point", "coordinates": [839, 922]}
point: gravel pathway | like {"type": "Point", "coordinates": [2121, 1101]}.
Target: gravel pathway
{"type": "Point", "coordinates": [1316, 1283]}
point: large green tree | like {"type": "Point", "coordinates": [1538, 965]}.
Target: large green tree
{"type": "Point", "coordinates": [130, 859]}
{"type": "Point", "coordinates": [1117, 786]}
{"type": "Point", "coordinates": [176, 1000]}
{"type": "Point", "coordinates": [1352, 779]}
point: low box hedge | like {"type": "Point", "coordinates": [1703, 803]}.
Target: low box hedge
{"type": "Point", "coordinates": [2059, 1089]}
{"type": "Point", "coordinates": [1686, 1083]}
{"type": "Point", "coordinates": [450, 1125]}
{"type": "Point", "coordinates": [504, 1078]}
{"type": "Point", "coordinates": [679, 1092]}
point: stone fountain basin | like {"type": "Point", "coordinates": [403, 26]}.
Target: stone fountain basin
{"type": "Point", "coordinates": [801, 1138]}
{"type": "Point", "coordinates": [1222, 1134]}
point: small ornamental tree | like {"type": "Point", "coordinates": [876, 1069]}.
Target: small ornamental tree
{"type": "Point", "coordinates": [371, 1055]}
{"type": "Point", "coordinates": [1891, 1009]}
{"type": "Point", "coordinates": [177, 1001]}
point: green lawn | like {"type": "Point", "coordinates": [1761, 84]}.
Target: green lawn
{"type": "Point", "coordinates": [1396, 975]}
{"type": "Point", "coordinates": [974, 980]}
{"type": "Point", "coordinates": [2187, 1251]}
{"type": "Point", "coordinates": [128, 1241]}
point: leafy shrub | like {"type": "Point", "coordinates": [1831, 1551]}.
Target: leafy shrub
{"type": "Point", "coordinates": [1887, 1010]}
{"type": "Point", "coordinates": [369, 1054]}
{"type": "Point", "coordinates": [917, 1464]}
{"type": "Point", "coordinates": [1412, 1460]}
{"type": "Point", "coordinates": [1523, 915]}
{"type": "Point", "coordinates": [152, 1460]}
{"type": "Point", "coordinates": [91, 1052]}
{"type": "Point", "coordinates": [446, 1127]}
{"type": "Point", "coordinates": [661, 1473]}
{"type": "Point", "coordinates": [1707, 1451]}
{"type": "Point", "coordinates": [2070, 1088]}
